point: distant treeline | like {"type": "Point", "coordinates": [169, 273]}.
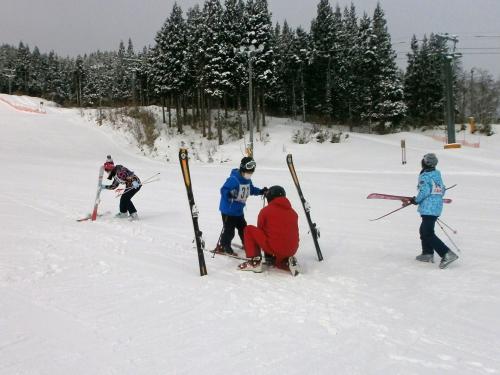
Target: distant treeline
{"type": "Point", "coordinates": [341, 71]}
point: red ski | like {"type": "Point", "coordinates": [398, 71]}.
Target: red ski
{"type": "Point", "coordinates": [93, 215]}
{"type": "Point", "coordinates": [397, 197]}
{"type": "Point", "coordinates": [98, 194]}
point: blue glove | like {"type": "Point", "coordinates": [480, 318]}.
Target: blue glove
{"type": "Point", "coordinates": [135, 184]}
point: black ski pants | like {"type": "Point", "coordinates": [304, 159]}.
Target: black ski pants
{"type": "Point", "coordinates": [126, 201]}
{"type": "Point", "coordinates": [230, 224]}
{"type": "Point", "coordinates": [430, 241]}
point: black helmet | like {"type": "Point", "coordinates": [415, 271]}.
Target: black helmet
{"type": "Point", "coordinates": [275, 192]}
{"type": "Point", "coordinates": [247, 165]}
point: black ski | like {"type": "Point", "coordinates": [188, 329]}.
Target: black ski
{"type": "Point", "coordinates": [200, 244]}
{"type": "Point", "coordinates": [312, 226]}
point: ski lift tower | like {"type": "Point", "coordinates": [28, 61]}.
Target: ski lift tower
{"type": "Point", "coordinates": [448, 70]}
{"type": "Point", "coordinates": [250, 50]}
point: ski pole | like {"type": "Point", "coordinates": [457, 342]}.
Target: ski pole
{"type": "Point", "coordinates": [220, 235]}
{"type": "Point", "coordinates": [150, 178]}
{"type": "Point", "coordinates": [389, 213]}
{"type": "Point", "coordinates": [451, 187]}
{"type": "Point", "coordinates": [447, 235]}
{"type": "Point", "coordinates": [447, 226]}
{"type": "Point", "coordinates": [130, 188]}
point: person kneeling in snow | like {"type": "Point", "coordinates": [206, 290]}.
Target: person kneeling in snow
{"type": "Point", "coordinates": [276, 233]}
{"type": "Point", "coordinates": [121, 175]}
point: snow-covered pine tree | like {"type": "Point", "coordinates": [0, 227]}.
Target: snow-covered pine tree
{"type": "Point", "coordinates": [318, 77]}
{"type": "Point", "coordinates": [412, 84]}
{"type": "Point", "coordinates": [122, 79]}
{"type": "Point", "coordinates": [234, 79]}
{"type": "Point", "coordinates": [172, 45]}
{"type": "Point", "coordinates": [23, 67]}
{"type": "Point", "coordinates": [387, 90]}
{"type": "Point", "coordinates": [303, 48]}
{"type": "Point", "coordinates": [168, 68]}
{"type": "Point", "coordinates": [259, 32]}
{"type": "Point", "coordinates": [336, 71]}
{"type": "Point", "coordinates": [37, 74]}
{"type": "Point", "coordinates": [143, 75]}
{"type": "Point", "coordinates": [350, 80]}
{"type": "Point", "coordinates": [423, 82]}
{"type": "Point", "coordinates": [215, 51]}
{"type": "Point", "coordinates": [78, 80]}
{"type": "Point", "coordinates": [193, 63]}
{"type": "Point", "coordinates": [364, 67]}
{"type": "Point", "coordinates": [287, 70]}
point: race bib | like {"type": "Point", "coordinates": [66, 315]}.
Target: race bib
{"type": "Point", "coordinates": [436, 189]}
{"type": "Point", "coordinates": [243, 193]}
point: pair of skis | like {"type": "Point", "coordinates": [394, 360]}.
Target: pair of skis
{"type": "Point", "coordinates": [402, 198]}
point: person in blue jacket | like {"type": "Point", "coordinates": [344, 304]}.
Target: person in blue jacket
{"type": "Point", "coordinates": [429, 199]}
{"type": "Point", "coordinates": [233, 196]}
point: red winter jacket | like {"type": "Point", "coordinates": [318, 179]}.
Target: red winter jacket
{"type": "Point", "coordinates": [279, 221]}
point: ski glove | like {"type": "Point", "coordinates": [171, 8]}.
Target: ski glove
{"type": "Point", "coordinates": [264, 191]}
{"type": "Point", "coordinates": [413, 201]}
{"type": "Point", "coordinates": [233, 194]}
{"type": "Point", "coordinates": [135, 184]}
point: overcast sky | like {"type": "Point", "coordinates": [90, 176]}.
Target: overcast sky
{"type": "Point", "coordinates": [72, 27]}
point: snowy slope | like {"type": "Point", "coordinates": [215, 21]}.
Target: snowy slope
{"type": "Point", "coordinates": [119, 297]}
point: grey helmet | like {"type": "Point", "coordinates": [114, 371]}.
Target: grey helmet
{"type": "Point", "coordinates": [429, 160]}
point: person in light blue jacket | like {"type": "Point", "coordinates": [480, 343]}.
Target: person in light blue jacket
{"type": "Point", "coordinates": [233, 196]}
{"type": "Point", "coordinates": [429, 199]}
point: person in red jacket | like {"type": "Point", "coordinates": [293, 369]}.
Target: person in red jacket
{"type": "Point", "coordinates": [276, 234]}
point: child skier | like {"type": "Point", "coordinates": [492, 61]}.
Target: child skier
{"type": "Point", "coordinates": [121, 175]}
{"type": "Point", "coordinates": [233, 195]}
{"type": "Point", "coordinates": [276, 233]}
{"type": "Point", "coordinates": [429, 199]}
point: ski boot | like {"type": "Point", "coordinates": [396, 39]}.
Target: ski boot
{"type": "Point", "coordinates": [254, 265]}
{"type": "Point", "coordinates": [448, 258]}
{"type": "Point", "coordinates": [427, 258]}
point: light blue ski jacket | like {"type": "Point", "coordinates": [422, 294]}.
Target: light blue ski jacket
{"type": "Point", "coordinates": [431, 190]}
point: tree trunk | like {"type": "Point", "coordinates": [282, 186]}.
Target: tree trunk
{"type": "Point", "coordinates": [203, 114]}
{"type": "Point", "coordinates": [248, 116]}
{"type": "Point", "coordinates": [219, 123]}
{"type": "Point", "coordinates": [257, 112]}
{"type": "Point", "coordinates": [178, 113]}
{"type": "Point", "coordinates": [225, 109]}
{"type": "Point", "coordinates": [170, 110]}
{"type": "Point", "coordinates": [302, 95]}
{"type": "Point", "coordinates": [184, 109]}
{"type": "Point", "coordinates": [209, 115]}
{"type": "Point", "coordinates": [263, 109]}
{"type": "Point", "coordinates": [240, 123]}
{"type": "Point", "coordinates": [196, 109]}
{"type": "Point", "coordinates": [163, 108]}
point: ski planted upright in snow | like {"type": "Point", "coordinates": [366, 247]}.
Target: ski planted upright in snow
{"type": "Point", "coordinates": [307, 208]}
{"type": "Point", "coordinates": [93, 215]}
{"type": "Point", "coordinates": [200, 244]}
{"type": "Point", "coordinates": [98, 194]}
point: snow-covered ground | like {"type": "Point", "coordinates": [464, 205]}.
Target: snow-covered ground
{"type": "Point", "coordinates": [120, 297]}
